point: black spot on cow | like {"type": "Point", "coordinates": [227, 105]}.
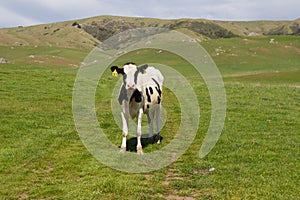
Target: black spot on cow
{"type": "Point", "coordinates": [158, 100]}
{"type": "Point", "coordinates": [148, 95]}
{"type": "Point", "coordinates": [124, 79]}
{"type": "Point", "coordinates": [151, 90]}
{"type": "Point", "coordinates": [137, 96]}
{"type": "Point", "coordinates": [158, 90]}
{"type": "Point", "coordinates": [122, 95]}
{"type": "Point", "coordinates": [143, 68]}
{"type": "Point", "coordinates": [148, 106]}
{"type": "Point", "coordinates": [157, 87]}
{"type": "Point", "coordinates": [129, 63]}
{"type": "Point", "coordinates": [140, 69]}
{"type": "Point", "coordinates": [135, 76]}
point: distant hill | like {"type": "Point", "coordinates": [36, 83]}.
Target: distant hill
{"type": "Point", "coordinates": [87, 33]}
{"type": "Point", "coordinates": [61, 34]}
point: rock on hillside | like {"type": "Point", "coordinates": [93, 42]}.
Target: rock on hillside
{"type": "Point", "coordinates": [3, 60]}
{"type": "Point", "coordinates": [105, 28]}
{"type": "Point", "coordinates": [258, 28]}
{"type": "Point", "coordinates": [292, 28]}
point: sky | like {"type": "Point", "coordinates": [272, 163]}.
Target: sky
{"type": "Point", "coordinates": [31, 12]}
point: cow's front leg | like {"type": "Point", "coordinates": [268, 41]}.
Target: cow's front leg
{"type": "Point", "coordinates": [139, 132]}
{"type": "Point", "coordinates": [124, 132]}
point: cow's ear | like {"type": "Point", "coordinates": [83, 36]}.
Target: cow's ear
{"type": "Point", "coordinates": [143, 68]}
{"type": "Point", "coordinates": [121, 71]}
{"type": "Point", "coordinates": [116, 70]}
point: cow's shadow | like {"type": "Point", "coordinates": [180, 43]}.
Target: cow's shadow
{"type": "Point", "coordinates": [145, 140]}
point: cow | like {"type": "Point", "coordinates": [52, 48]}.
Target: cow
{"type": "Point", "coordinates": [141, 92]}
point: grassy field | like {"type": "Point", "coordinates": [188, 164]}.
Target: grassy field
{"type": "Point", "coordinates": [256, 157]}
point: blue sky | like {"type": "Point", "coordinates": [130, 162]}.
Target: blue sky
{"type": "Point", "coordinates": [31, 12]}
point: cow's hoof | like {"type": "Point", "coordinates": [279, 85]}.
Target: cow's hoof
{"type": "Point", "coordinates": [157, 139]}
{"type": "Point", "coordinates": [151, 140]}
{"type": "Point", "coordinates": [139, 150]}
{"type": "Point", "coordinates": [122, 150]}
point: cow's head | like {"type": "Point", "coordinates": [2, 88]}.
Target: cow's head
{"type": "Point", "coordinates": [130, 74]}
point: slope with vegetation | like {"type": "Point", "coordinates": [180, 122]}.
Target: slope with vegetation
{"type": "Point", "coordinates": [86, 33]}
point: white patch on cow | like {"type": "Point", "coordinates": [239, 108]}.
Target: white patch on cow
{"type": "Point", "coordinates": [130, 70]}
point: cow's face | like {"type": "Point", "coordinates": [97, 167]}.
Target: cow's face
{"type": "Point", "coordinates": [129, 72]}
{"type": "Point", "coordinates": [129, 77]}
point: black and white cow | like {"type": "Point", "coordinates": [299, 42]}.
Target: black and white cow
{"type": "Point", "coordinates": [141, 92]}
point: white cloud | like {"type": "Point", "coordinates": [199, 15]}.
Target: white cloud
{"type": "Point", "coordinates": [71, 7]}
{"type": "Point", "coordinates": [13, 19]}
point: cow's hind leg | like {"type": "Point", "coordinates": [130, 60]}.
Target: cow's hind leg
{"type": "Point", "coordinates": [139, 147]}
{"type": "Point", "coordinates": [158, 123]}
{"type": "Point", "coordinates": [150, 116]}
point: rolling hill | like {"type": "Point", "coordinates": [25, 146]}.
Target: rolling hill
{"type": "Point", "coordinates": [86, 33]}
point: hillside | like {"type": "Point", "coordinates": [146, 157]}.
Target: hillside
{"type": "Point", "coordinates": [86, 33]}
{"type": "Point", "coordinates": [56, 34]}
{"type": "Point", "coordinates": [258, 28]}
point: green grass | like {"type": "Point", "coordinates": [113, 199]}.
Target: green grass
{"type": "Point", "coordinates": [248, 55]}
{"type": "Point", "coordinates": [256, 157]}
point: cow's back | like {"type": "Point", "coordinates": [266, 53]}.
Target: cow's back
{"type": "Point", "coordinates": [151, 81]}
{"type": "Point", "coordinates": [149, 74]}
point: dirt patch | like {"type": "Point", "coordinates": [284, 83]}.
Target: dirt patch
{"type": "Point", "coordinates": [232, 55]}
{"type": "Point", "coordinates": [171, 175]}
{"type": "Point", "coordinates": [289, 47]}
{"type": "Point", "coordinates": [260, 49]}
{"type": "Point", "coordinates": [24, 196]}
{"type": "Point", "coordinates": [247, 41]}
{"type": "Point", "coordinates": [258, 76]}
{"type": "Point", "coordinates": [175, 197]}
{"type": "Point", "coordinates": [56, 61]}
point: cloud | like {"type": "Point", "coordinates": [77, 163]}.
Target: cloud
{"type": "Point", "coordinates": [28, 12]}
{"type": "Point", "coordinates": [10, 18]}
